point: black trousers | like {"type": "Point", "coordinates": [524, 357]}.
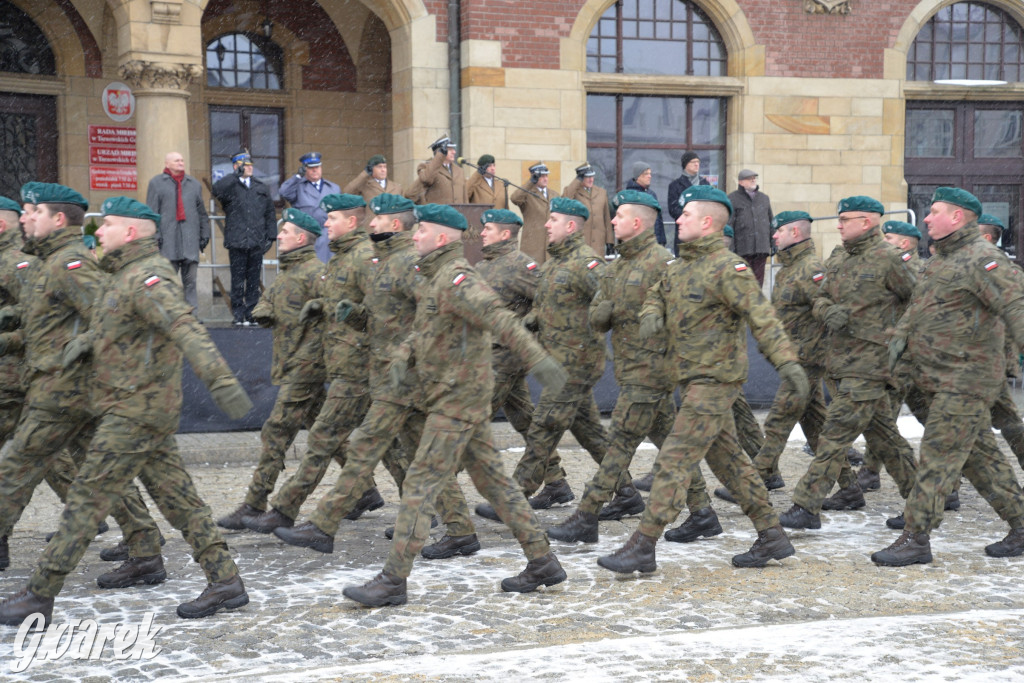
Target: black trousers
{"type": "Point", "coordinates": [245, 281]}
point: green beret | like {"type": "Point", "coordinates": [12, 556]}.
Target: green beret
{"type": "Point", "coordinates": [341, 202]}
{"type": "Point", "coordinates": [129, 208]}
{"type": "Point", "coordinates": [860, 203]}
{"type": "Point", "coordinates": [28, 192]}
{"type": "Point", "coordinates": [302, 220]}
{"type": "Point", "coordinates": [989, 219]}
{"type": "Point", "coordinates": [958, 197]}
{"type": "Point", "coordinates": [10, 205]}
{"type": "Point", "coordinates": [635, 197]}
{"type": "Point", "coordinates": [705, 193]}
{"type": "Point", "coordinates": [387, 203]}
{"type": "Point", "coordinates": [485, 161]}
{"type": "Point", "coordinates": [502, 216]}
{"type": "Point", "coordinates": [728, 231]}
{"type": "Point", "coordinates": [787, 217]}
{"type": "Point", "coordinates": [376, 159]}
{"type": "Point", "coordinates": [569, 207]}
{"type": "Point", "coordinates": [442, 214]}
{"type": "Point", "coordinates": [901, 228]}
{"type": "Point", "coordinates": [52, 193]}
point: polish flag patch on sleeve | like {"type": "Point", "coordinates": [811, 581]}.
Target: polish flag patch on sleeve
{"type": "Point", "coordinates": [151, 280]}
{"type": "Point", "coordinates": [459, 278]}
{"type": "Point", "coordinates": [23, 264]}
{"type": "Point", "coordinates": [818, 277]}
{"type": "Point", "coordinates": [740, 267]}
{"type": "Point", "coordinates": [375, 260]}
{"type": "Point", "coordinates": [592, 264]}
{"type": "Point", "coordinates": [906, 256]}
{"type": "Point", "coordinates": [73, 265]}
{"type": "Point", "coordinates": [991, 265]}
{"type": "Point", "coordinates": [532, 265]}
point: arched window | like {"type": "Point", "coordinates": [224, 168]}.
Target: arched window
{"type": "Point", "coordinates": [968, 41]}
{"type": "Point", "coordinates": [23, 47]}
{"type": "Point", "coordinates": [241, 60]}
{"type": "Point", "coordinates": [667, 37]}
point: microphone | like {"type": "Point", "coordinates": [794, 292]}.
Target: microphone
{"type": "Point", "coordinates": [460, 160]}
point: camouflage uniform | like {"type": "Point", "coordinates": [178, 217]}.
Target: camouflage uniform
{"type": "Point", "coordinates": [644, 406]}
{"type": "Point", "coordinates": [568, 282]}
{"type": "Point", "coordinates": [874, 283]}
{"type": "Point", "coordinates": [141, 329]}
{"type": "Point", "coordinates": [797, 284]}
{"type": "Point", "coordinates": [955, 340]}
{"type": "Point", "coordinates": [451, 347]}
{"type": "Point", "coordinates": [297, 367]}
{"type": "Point", "coordinates": [390, 305]}
{"type": "Point", "coordinates": [748, 431]}
{"type": "Point", "coordinates": [58, 413]}
{"type": "Point", "coordinates": [704, 298]}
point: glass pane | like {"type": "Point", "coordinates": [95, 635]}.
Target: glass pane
{"type": "Point", "coordinates": [929, 133]}
{"type": "Point", "coordinates": [919, 200]}
{"type": "Point", "coordinates": [646, 57]}
{"type": "Point", "coordinates": [654, 120]}
{"type": "Point", "coordinates": [708, 122]}
{"type": "Point", "coordinates": [601, 118]}
{"type": "Point", "coordinates": [603, 161]}
{"type": "Point", "coordinates": [645, 29]}
{"type": "Point", "coordinates": [1002, 201]}
{"type": "Point", "coordinates": [997, 134]}
{"type": "Point", "coordinates": [264, 130]}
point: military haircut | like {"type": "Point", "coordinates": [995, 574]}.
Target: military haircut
{"type": "Point", "coordinates": [993, 231]}
{"type": "Point", "coordinates": [358, 212]}
{"type": "Point", "coordinates": [719, 213]}
{"type": "Point", "coordinates": [647, 215]}
{"type": "Point", "coordinates": [912, 242]}
{"type": "Point", "coordinates": [803, 227]}
{"type": "Point", "coordinates": [73, 213]}
{"type": "Point", "coordinates": [406, 218]}
{"type": "Point", "coordinates": [145, 226]}
{"type": "Point", "coordinates": [454, 234]}
{"type": "Point", "coordinates": [10, 216]}
{"type": "Point", "coordinates": [310, 237]}
{"type": "Point", "coordinates": [513, 229]}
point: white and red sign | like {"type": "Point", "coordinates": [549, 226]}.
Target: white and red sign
{"type": "Point", "coordinates": [118, 101]}
{"type": "Point", "coordinates": [113, 178]}
{"type": "Point", "coordinates": [112, 135]}
{"type": "Point", "coordinates": [112, 156]}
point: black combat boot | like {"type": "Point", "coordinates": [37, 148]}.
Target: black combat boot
{"type": "Point", "coordinates": [381, 590]}
{"type": "Point", "coordinates": [952, 501]}
{"type": "Point", "coordinates": [636, 556]}
{"type": "Point", "coordinates": [774, 482]}
{"type": "Point", "coordinates": [644, 483]}
{"type": "Point", "coordinates": [234, 520]}
{"type": "Point", "coordinates": [909, 548]}
{"type": "Point", "coordinates": [771, 544]}
{"type": "Point", "coordinates": [868, 479]}
{"type": "Point", "coordinates": [703, 522]}
{"type": "Point", "coordinates": [119, 552]}
{"type": "Point", "coordinates": [798, 518]}
{"type": "Point", "coordinates": [266, 522]}
{"type": "Point", "coordinates": [896, 522]}
{"type": "Point", "coordinates": [135, 570]}
{"type": "Point", "coordinates": [306, 535]}
{"type": "Point", "coordinates": [5, 554]}
{"type": "Point", "coordinates": [1011, 546]}
{"type": "Point", "coordinates": [487, 511]}
{"type": "Point", "coordinates": [855, 457]}
{"type": "Point", "coordinates": [228, 594]}
{"type": "Point", "coordinates": [14, 609]}
{"type": "Point", "coordinates": [370, 500]}
{"type": "Point", "coordinates": [850, 498]}
{"type": "Point", "coordinates": [450, 546]}
{"type": "Point", "coordinates": [627, 501]}
{"type": "Point", "coordinates": [542, 571]}
{"type": "Point", "coordinates": [723, 493]}
{"type": "Point", "coordinates": [580, 526]}
{"type": "Point", "coordinates": [555, 493]}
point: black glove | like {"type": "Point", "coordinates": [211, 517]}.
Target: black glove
{"type": "Point", "coordinates": [369, 169]}
{"type": "Point", "coordinates": [534, 178]}
{"type": "Point", "coordinates": [203, 242]}
{"type": "Point", "coordinates": [301, 172]}
{"type": "Point", "coordinates": [9, 318]}
{"type": "Point", "coordinates": [609, 250]}
{"type": "Point", "coordinates": [159, 242]}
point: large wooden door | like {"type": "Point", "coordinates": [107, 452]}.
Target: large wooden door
{"type": "Point", "coordinates": [28, 141]}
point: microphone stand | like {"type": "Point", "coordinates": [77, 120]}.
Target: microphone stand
{"type": "Point", "coordinates": [462, 161]}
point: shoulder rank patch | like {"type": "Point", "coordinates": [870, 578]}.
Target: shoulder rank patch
{"type": "Point", "coordinates": [459, 278]}
{"type": "Point", "coordinates": [906, 256]}
{"type": "Point", "coordinates": [74, 264]}
{"type": "Point", "coordinates": [991, 265]}
{"type": "Point", "coordinates": [23, 264]}
{"type": "Point", "coordinates": [151, 280]}
{"type": "Point", "coordinates": [532, 265]}
{"type": "Point", "coordinates": [592, 264]}
{"type": "Point", "coordinates": [818, 277]}
{"type": "Point", "coordinates": [740, 267]}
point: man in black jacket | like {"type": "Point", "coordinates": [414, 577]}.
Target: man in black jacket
{"type": "Point", "coordinates": [751, 222]}
{"type": "Point", "coordinates": [691, 176]}
{"type": "Point", "coordinates": [250, 229]}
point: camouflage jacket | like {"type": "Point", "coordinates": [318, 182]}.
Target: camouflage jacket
{"type": "Point", "coordinates": [569, 279]}
{"type": "Point", "coordinates": [59, 309]}
{"type": "Point", "coordinates": [871, 279]}
{"type": "Point", "coordinates": [641, 264]}
{"type": "Point", "coordinates": [451, 343]}
{"type": "Point", "coordinates": [141, 327]}
{"type": "Point", "coordinates": [797, 284]}
{"type": "Point", "coordinates": [17, 271]}
{"type": "Point", "coordinates": [347, 276]}
{"type": "Point", "coordinates": [298, 347]}
{"type": "Point", "coordinates": [704, 297]}
{"type": "Point", "coordinates": [952, 326]}
{"type": "Point", "coordinates": [513, 276]}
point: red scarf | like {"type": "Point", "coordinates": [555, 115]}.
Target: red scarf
{"type": "Point", "coordinates": [177, 181]}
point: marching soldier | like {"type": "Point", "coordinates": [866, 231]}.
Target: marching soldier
{"type": "Point", "coordinates": [535, 204]}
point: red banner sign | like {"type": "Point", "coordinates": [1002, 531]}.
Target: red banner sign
{"type": "Point", "coordinates": [112, 135]}
{"type": "Point", "coordinates": [112, 178]}
{"type": "Point", "coordinates": [112, 156]}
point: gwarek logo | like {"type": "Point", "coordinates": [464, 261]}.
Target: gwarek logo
{"type": "Point", "coordinates": [83, 639]}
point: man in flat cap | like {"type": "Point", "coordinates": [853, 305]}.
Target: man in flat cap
{"type": "Point", "coordinates": [483, 188]}
{"type": "Point", "coordinates": [597, 231]}
{"type": "Point", "coordinates": [866, 287]}
{"type": "Point", "coordinates": [690, 176]}
{"type": "Point", "coordinates": [450, 340]}
{"type": "Point", "coordinates": [137, 337]}
{"type": "Point", "coordinates": [640, 180]}
{"type": "Point", "coordinates": [297, 367]}
{"type": "Point", "coordinates": [534, 203]}
{"type": "Point", "coordinates": [250, 227]}
{"type": "Point", "coordinates": [305, 190]}
{"type": "Point", "coordinates": [372, 181]}
{"type": "Point", "coordinates": [440, 180]}
{"type": "Point", "coordinates": [752, 223]}
{"type": "Point", "coordinates": [968, 300]}
{"type": "Point", "coordinates": [704, 301]}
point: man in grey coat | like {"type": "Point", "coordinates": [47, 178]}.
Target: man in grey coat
{"type": "Point", "coordinates": [184, 228]}
{"type": "Point", "coordinates": [752, 223]}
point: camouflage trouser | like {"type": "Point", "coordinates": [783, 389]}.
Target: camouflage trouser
{"type": "Point", "coordinates": [748, 432]}
{"type": "Point", "coordinates": [896, 398]}
{"type": "Point", "coordinates": [37, 451]}
{"type": "Point", "coordinates": [958, 438]}
{"type": "Point", "coordinates": [639, 412]}
{"type": "Point", "coordinates": [61, 473]}
{"type": "Point", "coordinates": [512, 395]}
{"type": "Point", "coordinates": [122, 450]}
{"type": "Point", "coordinates": [447, 446]}
{"type": "Point", "coordinates": [574, 409]}
{"type": "Point", "coordinates": [787, 409]}
{"type": "Point", "coordinates": [343, 411]}
{"type": "Point", "coordinates": [369, 443]}
{"type": "Point", "coordinates": [1007, 420]}
{"type": "Point", "coordinates": [704, 429]}
{"type": "Point", "coordinates": [858, 407]}
{"type": "Point", "coordinates": [296, 407]}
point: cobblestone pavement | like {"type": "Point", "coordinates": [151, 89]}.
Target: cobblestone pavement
{"type": "Point", "coordinates": [826, 614]}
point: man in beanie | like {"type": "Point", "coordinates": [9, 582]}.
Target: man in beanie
{"type": "Point", "coordinates": [297, 367]}
{"type": "Point", "coordinates": [534, 203]}
{"type": "Point", "coordinates": [597, 231]}
{"type": "Point", "coordinates": [690, 177]}
{"type": "Point", "coordinates": [450, 341]}
{"type": "Point", "coordinates": [305, 190]}
{"type": "Point", "coordinates": [137, 338]}
{"type": "Point", "coordinates": [752, 223]}
{"type": "Point", "coordinates": [372, 181]}
{"type": "Point", "coordinates": [483, 188]}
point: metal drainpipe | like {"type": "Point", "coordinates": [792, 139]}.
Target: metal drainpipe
{"type": "Point", "coordinates": [454, 72]}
